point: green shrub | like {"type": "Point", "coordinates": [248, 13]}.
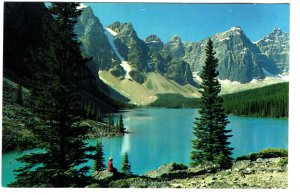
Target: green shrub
{"type": "Point", "coordinates": [118, 71]}
{"type": "Point", "coordinates": [265, 153]}
{"type": "Point", "coordinates": [138, 76]}
{"type": "Point", "coordinates": [177, 166]}
{"type": "Point", "coordinates": [283, 161]}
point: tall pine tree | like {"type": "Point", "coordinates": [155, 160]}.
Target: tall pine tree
{"type": "Point", "coordinates": [99, 158]}
{"type": "Point", "coordinates": [121, 127]}
{"type": "Point", "coordinates": [211, 143]}
{"type": "Point", "coordinates": [56, 124]}
{"type": "Point", "coordinates": [126, 167]}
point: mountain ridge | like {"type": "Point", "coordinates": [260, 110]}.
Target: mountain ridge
{"type": "Point", "coordinates": [131, 58]}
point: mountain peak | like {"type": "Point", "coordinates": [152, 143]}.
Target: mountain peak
{"type": "Point", "coordinates": [235, 28]}
{"type": "Point", "coordinates": [234, 31]}
{"type": "Point", "coordinates": [152, 38]}
{"type": "Point", "coordinates": [119, 27]}
{"type": "Point", "coordinates": [82, 6]}
{"type": "Point", "coordinates": [175, 39]}
{"type": "Point", "coordinates": [277, 30]}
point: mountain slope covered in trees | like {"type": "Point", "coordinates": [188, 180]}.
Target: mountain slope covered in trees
{"type": "Point", "coordinates": [268, 101]}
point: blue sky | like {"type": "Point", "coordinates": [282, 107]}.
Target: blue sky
{"type": "Point", "coordinates": [194, 22]}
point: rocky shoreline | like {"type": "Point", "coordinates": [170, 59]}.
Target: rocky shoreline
{"type": "Point", "coordinates": [100, 129]}
{"type": "Point", "coordinates": [262, 173]}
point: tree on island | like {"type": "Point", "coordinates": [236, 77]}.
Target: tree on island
{"type": "Point", "coordinates": [211, 143]}
{"type": "Point", "coordinates": [121, 127]}
{"type": "Point", "coordinates": [99, 158]}
{"type": "Point", "coordinates": [126, 167]}
{"type": "Point", "coordinates": [57, 113]}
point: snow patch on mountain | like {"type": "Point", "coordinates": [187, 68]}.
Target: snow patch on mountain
{"type": "Point", "coordinates": [127, 69]}
{"type": "Point", "coordinates": [81, 6]}
{"type": "Point", "coordinates": [110, 34]}
{"type": "Point", "coordinates": [228, 82]}
{"type": "Point", "coordinates": [267, 74]}
{"type": "Point", "coordinates": [196, 77]}
{"type": "Point", "coordinates": [283, 76]}
{"type": "Point", "coordinates": [114, 33]}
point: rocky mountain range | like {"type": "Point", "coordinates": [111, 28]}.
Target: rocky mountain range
{"type": "Point", "coordinates": [276, 47]}
{"type": "Point", "coordinates": [117, 48]}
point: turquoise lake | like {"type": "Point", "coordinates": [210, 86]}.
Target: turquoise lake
{"type": "Point", "coordinates": [160, 136]}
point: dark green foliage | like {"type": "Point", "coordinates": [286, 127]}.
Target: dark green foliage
{"type": "Point", "coordinates": [19, 96]}
{"type": "Point", "coordinates": [22, 34]}
{"type": "Point", "coordinates": [211, 142]}
{"type": "Point", "coordinates": [269, 101]}
{"type": "Point", "coordinates": [126, 167]}
{"type": "Point", "coordinates": [177, 166]}
{"type": "Point", "coordinates": [99, 116]}
{"type": "Point", "coordinates": [283, 161]}
{"type": "Point", "coordinates": [111, 120]}
{"type": "Point", "coordinates": [170, 100]}
{"type": "Point", "coordinates": [138, 76]}
{"type": "Point", "coordinates": [15, 134]}
{"type": "Point", "coordinates": [120, 124]}
{"type": "Point", "coordinates": [117, 71]}
{"type": "Point", "coordinates": [99, 158]}
{"type": "Point", "coordinates": [266, 153]}
{"type": "Point", "coordinates": [56, 109]}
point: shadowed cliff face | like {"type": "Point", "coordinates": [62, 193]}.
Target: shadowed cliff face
{"type": "Point", "coordinates": [276, 47]}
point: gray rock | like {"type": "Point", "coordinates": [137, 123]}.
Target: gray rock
{"type": "Point", "coordinates": [94, 42]}
{"type": "Point", "coordinates": [101, 175]}
{"type": "Point", "coordinates": [276, 47]}
{"type": "Point", "coordinates": [239, 59]}
{"type": "Point", "coordinates": [243, 164]}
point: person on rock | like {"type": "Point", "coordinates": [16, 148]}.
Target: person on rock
{"type": "Point", "coordinates": [110, 166]}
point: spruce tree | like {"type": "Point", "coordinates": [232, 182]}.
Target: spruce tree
{"type": "Point", "coordinates": [126, 167]}
{"type": "Point", "coordinates": [99, 158]}
{"type": "Point", "coordinates": [111, 121]}
{"type": "Point", "coordinates": [211, 142]}
{"type": "Point", "coordinates": [56, 122]}
{"type": "Point", "coordinates": [121, 127]}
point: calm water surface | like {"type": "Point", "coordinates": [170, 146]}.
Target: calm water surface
{"type": "Point", "coordinates": [162, 136]}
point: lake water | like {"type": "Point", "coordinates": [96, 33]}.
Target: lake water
{"type": "Point", "coordinates": [162, 136]}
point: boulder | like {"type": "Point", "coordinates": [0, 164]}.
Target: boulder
{"type": "Point", "coordinates": [165, 170]}
{"type": "Point", "coordinates": [101, 175]}
{"type": "Point", "coordinates": [240, 165]}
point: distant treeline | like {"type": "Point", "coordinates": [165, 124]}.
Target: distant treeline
{"type": "Point", "coordinates": [175, 101]}
{"type": "Point", "coordinates": [269, 101]}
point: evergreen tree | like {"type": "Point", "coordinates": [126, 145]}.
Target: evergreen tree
{"type": "Point", "coordinates": [211, 143]}
{"type": "Point", "coordinates": [19, 95]}
{"type": "Point", "coordinates": [56, 122]}
{"type": "Point", "coordinates": [99, 158]}
{"type": "Point", "coordinates": [121, 127]}
{"type": "Point", "coordinates": [126, 167]}
{"type": "Point", "coordinates": [111, 121]}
